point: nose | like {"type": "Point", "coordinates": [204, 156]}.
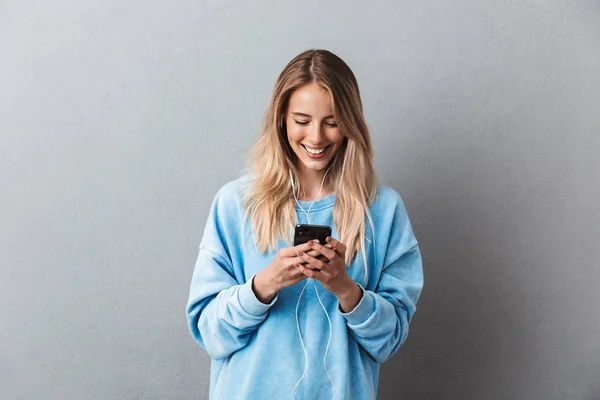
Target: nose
{"type": "Point", "coordinates": [316, 136]}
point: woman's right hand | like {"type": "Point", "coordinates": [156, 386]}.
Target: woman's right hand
{"type": "Point", "coordinates": [281, 272]}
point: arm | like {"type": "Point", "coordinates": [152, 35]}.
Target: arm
{"type": "Point", "coordinates": [222, 312]}
{"type": "Point", "coordinates": [380, 321]}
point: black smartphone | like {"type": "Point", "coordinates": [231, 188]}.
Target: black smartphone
{"type": "Point", "coordinates": [305, 232]}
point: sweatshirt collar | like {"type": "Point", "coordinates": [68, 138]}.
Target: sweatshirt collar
{"type": "Point", "coordinates": [320, 204]}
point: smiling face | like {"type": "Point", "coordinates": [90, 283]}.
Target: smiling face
{"type": "Point", "coordinates": [311, 128]}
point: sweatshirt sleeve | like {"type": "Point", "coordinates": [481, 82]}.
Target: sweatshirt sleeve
{"type": "Point", "coordinates": [222, 311]}
{"type": "Point", "coordinates": [380, 321]}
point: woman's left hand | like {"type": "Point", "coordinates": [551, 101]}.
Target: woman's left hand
{"type": "Point", "coordinates": [332, 274]}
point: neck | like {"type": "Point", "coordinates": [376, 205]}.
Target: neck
{"type": "Point", "coordinates": [310, 183]}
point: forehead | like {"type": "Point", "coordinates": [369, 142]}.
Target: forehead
{"type": "Point", "coordinates": [311, 99]}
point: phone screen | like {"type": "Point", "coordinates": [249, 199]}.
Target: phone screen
{"type": "Point", "coordinates": [305, 233]}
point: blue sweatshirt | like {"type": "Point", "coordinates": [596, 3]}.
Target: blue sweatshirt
{"type": "Point", "coordinates": [255, 348]}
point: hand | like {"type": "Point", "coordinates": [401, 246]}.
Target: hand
{"type": "Point", "coordinates": [331, 272]}
{"type": "Point", "coordinates": [280, 273]}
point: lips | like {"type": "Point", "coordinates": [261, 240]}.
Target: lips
{"type": "Point", "coordinates": [316, 153]}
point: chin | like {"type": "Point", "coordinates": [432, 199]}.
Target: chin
{"type": "Point", "coordinates": [315, 165]}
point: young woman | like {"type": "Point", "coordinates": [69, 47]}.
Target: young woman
{"type": "Point", "coordinates": [311, 321]}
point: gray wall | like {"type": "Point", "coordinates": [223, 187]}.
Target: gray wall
{"type": "Point", "coordinates": [118, 123]}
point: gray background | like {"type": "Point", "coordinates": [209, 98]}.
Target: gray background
{"type": "Point", "coordinates": [119, 122]}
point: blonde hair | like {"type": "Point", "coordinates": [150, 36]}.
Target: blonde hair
{"type": "Point", "coordinates": [269, 199]}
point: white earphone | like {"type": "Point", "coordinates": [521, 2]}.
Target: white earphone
{"type": "Point", "coordinates": [318, 297]}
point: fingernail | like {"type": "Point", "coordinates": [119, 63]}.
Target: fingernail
{"type": "Point", "coordinates": [328, 238]}
{"type": "Point", "coordinates": [329, 246]}
{"type": "Point", "coordinates": [300, 253]}
{"type": "Point", "coordinates": [311, 243]}
{"type": "Point", "coordinates": [316, 241]}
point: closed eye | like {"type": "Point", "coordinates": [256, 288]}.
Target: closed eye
{"type": "Point", "coordinates": [304, 123]}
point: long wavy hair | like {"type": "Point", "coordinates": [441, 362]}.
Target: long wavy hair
{"type": "Point", "coordinates": [269, 199]}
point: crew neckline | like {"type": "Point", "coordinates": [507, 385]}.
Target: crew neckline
{"type": "Point", "coordinates": [320, 204]}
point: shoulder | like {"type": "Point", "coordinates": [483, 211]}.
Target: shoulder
{"type": "Point", "coordinates": [227, 205]}
{"type": "Point", "coordinates": [233, 191]}
{"type": "Point", "coordinates": [391, 218]}
{"type": "Point", "coordinates": [387, 199]}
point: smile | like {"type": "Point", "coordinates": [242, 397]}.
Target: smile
{"type": "Point", "coordinates": [316, 153]}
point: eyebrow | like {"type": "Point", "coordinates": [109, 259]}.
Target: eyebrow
{"type": "Point", "coordinates": [309, 116]}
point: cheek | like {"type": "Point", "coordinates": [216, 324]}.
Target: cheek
{"type": "Point", "coordinates": [336, 137]}
{"type": "Point", "coordinates": [294, 134]}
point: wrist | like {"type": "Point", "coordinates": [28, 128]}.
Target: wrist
{"type": "Point", "coordinates": [349, 296]}
{"type": "Point", "coordinates": [264, 291]}
{"type": "Point", "coordinates": [346, 289]}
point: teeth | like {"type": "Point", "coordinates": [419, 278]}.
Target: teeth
{"type": "Point", "coordinates": [315, 152]}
